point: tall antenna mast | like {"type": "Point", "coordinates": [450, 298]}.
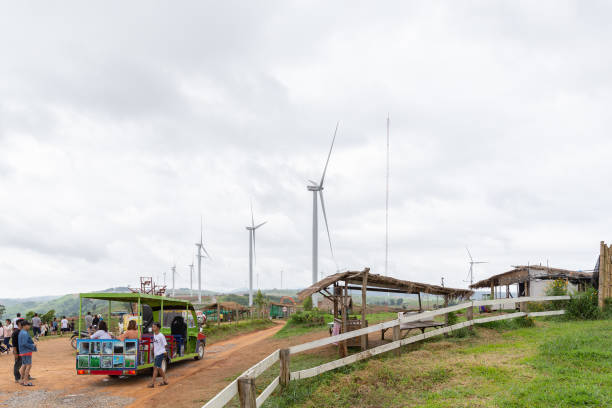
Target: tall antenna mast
{"type": "Point", "coordinates": [387, 208]}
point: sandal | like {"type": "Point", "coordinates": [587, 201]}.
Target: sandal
{"type": "Point", "coordinates": [28, 384]}
{"type": "Point", "coordinates": [151, 386]}
{"type": "Point", "coordinates": [162, 384]}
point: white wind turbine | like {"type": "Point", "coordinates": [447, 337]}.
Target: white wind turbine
{"type": "Point", "coordinates": [173, 269]}
{"type": "Point", "coordinates": [472, 262]}
{"type": "Point", "coordinates": [317, 189]}
{"type": "Point", "coordinates": [191, 277]}
{"type": "Point", "coordinates": [252, 253]}
{"type": "Point", "coordinates": [201, 252]}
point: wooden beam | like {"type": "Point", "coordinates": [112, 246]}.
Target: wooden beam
{"type": "Point", "coordinates": [343, 345]}
{"type": "Point", "coordinates": [374, 289]}
{"type": "Point", "coordinates": [420, 307]}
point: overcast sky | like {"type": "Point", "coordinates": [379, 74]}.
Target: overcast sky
{"type": "Point", "coordinates": [122, 122]}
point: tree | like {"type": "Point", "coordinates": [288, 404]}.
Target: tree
{"type": "Point", "coordinates": [48, 317]}
{"type": "Point", "coordinates": [29, 315]}
{"type": "Point", "coordinates": [260, 300]}
{"type": "Point", "coordinates": [2, 310]}
{"type": "Point", "coordinates": [308, 303]}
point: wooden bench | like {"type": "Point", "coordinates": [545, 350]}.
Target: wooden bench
{"type": "Point", "coordinates": [421, 324]}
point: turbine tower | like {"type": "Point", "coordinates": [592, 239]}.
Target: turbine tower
{"type": "Point", "coordinates": [191, 277]}
{"type": "Point", "coordinates": [252, 253]}
{"type": "Point", "coordinates": [472, 263]}
{"type": "Point", "coordinates": [317, 189]}
{"type": "Point", "coordinates": [173, 269]}
{"type": "Point", "coordinates": [201, 252]}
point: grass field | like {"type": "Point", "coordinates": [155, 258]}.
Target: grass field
{"type": "Point", "coordinates": [216, 333]}
{"type": "Point", "coordinates": [554, 364]}
{"type": "Point", "coordinates": [291, 329]}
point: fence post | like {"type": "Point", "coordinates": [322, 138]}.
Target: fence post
{"type": "Point", "coordinates": [285, 373]}
{"type": "Point", "coordinates": [446, 314]}
{"type": "Point", "coordinates": [246, 392]}
{"type": "Point", "coordinates": [396, 336]}
{"type": "Point", "coordinates": [469, 314]}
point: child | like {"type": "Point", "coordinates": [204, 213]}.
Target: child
{"type": "Point", "coordinates": [26, 348]}
{"type": "Point", "coordinates": [159, 350]}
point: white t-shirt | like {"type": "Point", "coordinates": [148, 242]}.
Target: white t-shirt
{"type": "Point", "coordinates": [159, 344]}
{"type": "Point", "coordinates": [101, 334]}
{"type": "Point", "coordinates": [1, 332]}
{"type": "Point", "coordinates": [8, 330]}
{"type": "Point", "coordinates": [64, 323]}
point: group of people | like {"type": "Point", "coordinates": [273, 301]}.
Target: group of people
{"type": "Point", "coordinates": [15, 336]}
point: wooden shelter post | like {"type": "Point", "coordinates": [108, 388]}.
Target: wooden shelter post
{"type": "Point", "coordinates": [343, 346]}
{"type": "Point", "coordinates": [364, 290]}
{"type": "Point", "coordinates": [420, 307]}
{"type": "Point", "coordinates": [335, 300]}
{"type": "Point", "coordinates": [218, 314]}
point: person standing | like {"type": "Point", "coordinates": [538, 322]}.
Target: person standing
{"type": "Point", "coordinates": [88, 322]}
{"type": "Point", "coordinates": [159, 351]}
{"type": "Point", "coordinates": [8, 332]}
{"type": "Point", "coordinates": [2, 339]}
{"type": "Point", "coordinates": [15, 342]}
{"type": "Point", "coordinates": [26, 348]}
{"type": "Point", "coordinates": [15, 319]}
{"type": "Point", "coordinates": [54, 325]}
{"type": "Point", "coordinates": [36, 326]}
{"type": "Point", "coordinates": [95, 321]}
{"type": "Point", "coordinates": [64, 325]}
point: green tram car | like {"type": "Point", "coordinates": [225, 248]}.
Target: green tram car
{"type": "Point", "coordinates": [130, 357]}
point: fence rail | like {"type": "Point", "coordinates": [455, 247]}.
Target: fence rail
{"type": "Point", "coordinates": [233, 389]}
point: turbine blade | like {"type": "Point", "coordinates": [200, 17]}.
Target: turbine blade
{"type": "Point", "coordinates": [326, 224]}
{"type": "Point", "coordinates": [329, 155]}
{"type": "Point", "coordinates": [469, 254]}
{"type": "Point", "coordinates": [265, 222]}
{"type": "Point", "coordinates": [206, 252]}
{"type": "Point", "coordinates": [314, 183]}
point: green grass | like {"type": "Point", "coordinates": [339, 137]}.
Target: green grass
{"type": "Point", "coordinates": [216, 333]}
{"type": "Point", "coordinates": [554, 364]}
{"type": "Point", "coordinates": [291, 330]}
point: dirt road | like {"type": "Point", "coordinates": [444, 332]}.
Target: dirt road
{"type": "Point", "coordinates": [191, 382]}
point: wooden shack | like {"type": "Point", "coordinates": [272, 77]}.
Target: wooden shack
{"type": "Point", "coordinates": [335, 289]}
{"type": "Point", "coordinates": [227, 311]}
{"type": "Point", "coordinates": [533, 280]}
{"type": "Point", "coordinates": [285, 307]}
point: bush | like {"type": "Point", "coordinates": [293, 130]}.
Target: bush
{"type": "Point", "coordinates": [583, 306]}
{"type": "Point", "coordinates": [308, 318]}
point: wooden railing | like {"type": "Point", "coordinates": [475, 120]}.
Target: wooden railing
{"type": "Point", "coordinates": [244, 385]}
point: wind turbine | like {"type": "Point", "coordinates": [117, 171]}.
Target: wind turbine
{"type": "Point", "coordinates": [201, 252]}
{"type": "Point", "coordinates": [472, 263]}
{"type": "Point", "coordinates": [317, 189]}
{"type": "Point", "coordinates": [191, 276]}
{"type": "Point", "coordinates": [252, 253]}
{"type": "Point", "coordinates": [173, 269]}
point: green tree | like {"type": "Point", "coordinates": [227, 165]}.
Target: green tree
{"type": "Point", "coordinates": [29, 315]}
{"type": "Point", "coordinates": [261, 301]}
{"type": "Point", "coordinates": [2, 310]}
{"type": "Point", "coordinates": [308, 303]}
{"type": "Point", "coordinates": [48, 317]}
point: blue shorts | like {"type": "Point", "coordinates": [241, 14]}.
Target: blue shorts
{"type": "Point", "coordinates": [158, 361]}
{"type": "Point", "coordinates": [26, 360]}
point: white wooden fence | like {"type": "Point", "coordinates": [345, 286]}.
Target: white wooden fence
{"type": "Point", "coordinates": [244, 385]}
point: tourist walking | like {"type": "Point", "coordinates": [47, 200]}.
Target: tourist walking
{"type": "Point", "coordinates": [8, 332]}
{"type": "Point", "coordinates": [3, 349]}
{"type": "Point", "coordinates": [54, 325]}
{"type": "Point", "coordinates": [159, 350]}
{"type": "Point", "coordinates": [26, 348]}
{"type": "Point", "coordinates": [88, 322]}
{"type": "Point", "coordinates": [36, 322]}
{"type": "Point", "coordinates": [64, 325]}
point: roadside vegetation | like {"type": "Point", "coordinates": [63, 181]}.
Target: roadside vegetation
{"type": "Point", "coordinates": [215, 334]}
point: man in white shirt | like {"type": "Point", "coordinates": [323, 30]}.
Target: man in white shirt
{"type": "Point", "coordinates": [159, 351]}
{"type": "Point", "coordinates": [64, 325]}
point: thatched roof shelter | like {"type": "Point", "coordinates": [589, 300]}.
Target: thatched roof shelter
{"type": "Point", "coordinates": [380, 283]}
{"type": "Point", "coordinates": [226, 306]}
{"type": "Point", "coordinates": [522, 274]}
